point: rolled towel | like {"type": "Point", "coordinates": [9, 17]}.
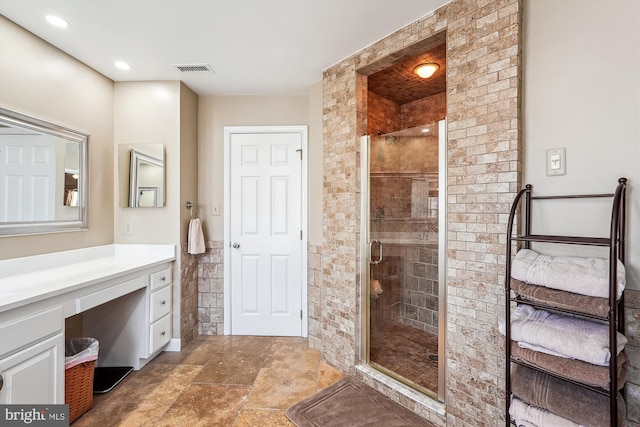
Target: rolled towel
{"type": "Point", "coordinates": [580, 275]}
{"type": "Point", "coordinates": [562, 335]}
{"type": "Point", "coordinates": [567, 400]}
{"type": "Point", "coordinates": [528, 415]}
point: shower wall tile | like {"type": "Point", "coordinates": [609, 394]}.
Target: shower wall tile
{"type": "Point", "coordinates": [420, 296]}
{"type": "Point", "coordinates": [385, 310]}
{"type": "Point", "coordinates": [484, 167]}
{"type": "Point", "coordinates": [383, 115]}
{"type": "Point", "coordinates": [423, 111]}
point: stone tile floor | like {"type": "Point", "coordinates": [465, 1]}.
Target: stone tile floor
{"type": "Point", "coordinates": [235, 381]}
{"type": "Point", "coordinates": [405, 351]}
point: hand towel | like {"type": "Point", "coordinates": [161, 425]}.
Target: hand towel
{"type": "Point", "coordinates": [568, 336]}
{"type": "Point", "coordinates": [586, 276]}
{"type": "Point", "coordinates": [195, 243]}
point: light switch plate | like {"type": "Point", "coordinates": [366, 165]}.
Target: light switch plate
{"type": "Point", "coordinates": [556, 162]}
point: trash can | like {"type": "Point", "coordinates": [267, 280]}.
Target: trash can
{"type": "Point", "coordinates": [79, 365]}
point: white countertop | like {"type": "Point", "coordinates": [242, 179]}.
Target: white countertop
{"type": "Point", "coordinates": [31, 279]}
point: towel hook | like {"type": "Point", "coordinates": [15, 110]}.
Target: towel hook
{"type": "Point", "coordinates": [190, 206]}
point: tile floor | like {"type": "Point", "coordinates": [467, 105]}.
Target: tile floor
{"type": "Point", "coordinates": [233, 381]}
{"type": "Point", "coordinates": [405, 351]}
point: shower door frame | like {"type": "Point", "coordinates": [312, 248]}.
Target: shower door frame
{"type": "Point", "coordinates": [365, 278]}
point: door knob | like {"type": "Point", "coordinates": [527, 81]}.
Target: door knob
{"type": "Point", "coordinates": [236, 245]}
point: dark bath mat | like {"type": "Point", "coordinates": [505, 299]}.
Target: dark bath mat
{"type": "Point", "coordinates": [352, 403]}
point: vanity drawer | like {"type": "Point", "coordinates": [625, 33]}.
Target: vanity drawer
{"type": "Point", "coordinates": [159, 333]}
{"type": "Point", "coordinates": [159, 279]}
{"type": "Point", "coordinates": [109, 294]}
{"type": "Point", "coordinates": [17, 334]}
{"type": "Point", "coordinates": [160, 303]}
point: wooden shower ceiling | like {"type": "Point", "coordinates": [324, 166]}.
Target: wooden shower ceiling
{"type": "Point", "coordinates": [398, 83]}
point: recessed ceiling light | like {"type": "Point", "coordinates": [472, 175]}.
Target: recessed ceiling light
{"type": "Point", "coordinates": [425, 130]}
{"type": "Point", "coordinates": [56, 21]}
{"type": "Point", "coordinates": [122, 65]}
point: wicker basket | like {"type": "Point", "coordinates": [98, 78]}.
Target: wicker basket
{"type": "Point", "coordinates": [78, 389]}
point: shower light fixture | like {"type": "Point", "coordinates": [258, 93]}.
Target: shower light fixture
{"type": "Point", "coordinates": [426, 70]}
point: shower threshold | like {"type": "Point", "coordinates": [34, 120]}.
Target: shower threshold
{"type": "Point", "coordinates": [433, 394]}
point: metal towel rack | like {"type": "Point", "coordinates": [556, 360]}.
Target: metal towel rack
{"type": "Point", "coordinates": [190, 206]}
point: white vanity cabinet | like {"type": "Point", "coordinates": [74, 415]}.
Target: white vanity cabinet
{"type": "Point", "coordinates": [122, 292]}
{"type": "Point", "coordinates": [32, 358]}
{"type": "Point", "coordinates": [160, 291]}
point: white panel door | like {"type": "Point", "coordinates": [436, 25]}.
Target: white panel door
{"type": "Point", "coordinates": [27, 178]}
{"type": "Point", "coordinates": [265, 234]}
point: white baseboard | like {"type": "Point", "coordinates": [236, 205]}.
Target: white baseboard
{"type": "Point", "coordinates": [174, 345]}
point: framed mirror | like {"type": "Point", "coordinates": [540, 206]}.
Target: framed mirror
{"type": "Point", "coordinates": [141, 171]}
{"type": "Point", "coordinates": [44, 185]}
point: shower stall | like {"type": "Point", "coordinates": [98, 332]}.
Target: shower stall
{"type": "Point", "coordinates": [403, 255]}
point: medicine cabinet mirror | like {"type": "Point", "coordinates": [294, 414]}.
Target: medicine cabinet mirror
{"type": "Point", "coordinates": [43, 176]}
{"type": "Point", "coordinates": [141, 171]}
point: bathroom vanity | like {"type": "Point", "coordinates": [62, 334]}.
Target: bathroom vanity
{"type": "Point", "coordinates": [122, 291]}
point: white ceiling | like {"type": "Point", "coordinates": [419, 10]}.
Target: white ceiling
{"type": "Point", "coordinates": [256, 47]}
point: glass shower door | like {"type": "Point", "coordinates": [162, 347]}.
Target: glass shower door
{"type": "Point", "coordinates": [400, 224]}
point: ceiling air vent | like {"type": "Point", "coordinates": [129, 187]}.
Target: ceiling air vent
{"type": "Point", "coordinates": [194, 68]}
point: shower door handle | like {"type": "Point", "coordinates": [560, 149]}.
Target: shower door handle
{"type": "Point", "coordinates": [379, 260]}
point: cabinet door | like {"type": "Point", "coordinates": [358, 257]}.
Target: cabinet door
{"type": "Point", "coordinates": [34, 375]}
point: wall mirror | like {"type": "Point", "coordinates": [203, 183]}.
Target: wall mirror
{"type": "Point", "coordinates": [141, 171]}
{"type": "Point", "coordinates": [43, 176]}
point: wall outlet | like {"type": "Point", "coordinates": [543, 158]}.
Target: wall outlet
{"type": "Point", "coordinates": [556, 162]}
{"type": "Point", "coordinates": [128, 228]}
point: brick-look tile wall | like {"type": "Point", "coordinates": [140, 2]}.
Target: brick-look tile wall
{"type": "Point", "coordinates": [383, 115]}
{"type": "Point", "coordinates": [386, 116]}
{"type": "Point", "coordinates": [314, 295]}
{"type": "Point", "coordinates": [484, 168]}
{"type": "Point", "coordinates": [483, 51]}
{"type": "Point", "coordinates": [211, 290]}
{"type": "Point", "coordinates": [632, 332]}
{"type": "Point", "coordinates": [424, 111]}
{"type": "Point", "coordinates": [188, 296]}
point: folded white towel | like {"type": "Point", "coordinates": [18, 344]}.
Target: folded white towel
{"type": "Point", "coordinates": [566, 336]}
{"type": "Point", "coordinates": [585, 276]}
{"type": "Point", "coordinates": [195, 244]}
{"type": "Point", "coordinates": [526, 415]}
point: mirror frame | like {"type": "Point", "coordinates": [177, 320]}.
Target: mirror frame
{"type": "Point", "coordinates": [18, 228]}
